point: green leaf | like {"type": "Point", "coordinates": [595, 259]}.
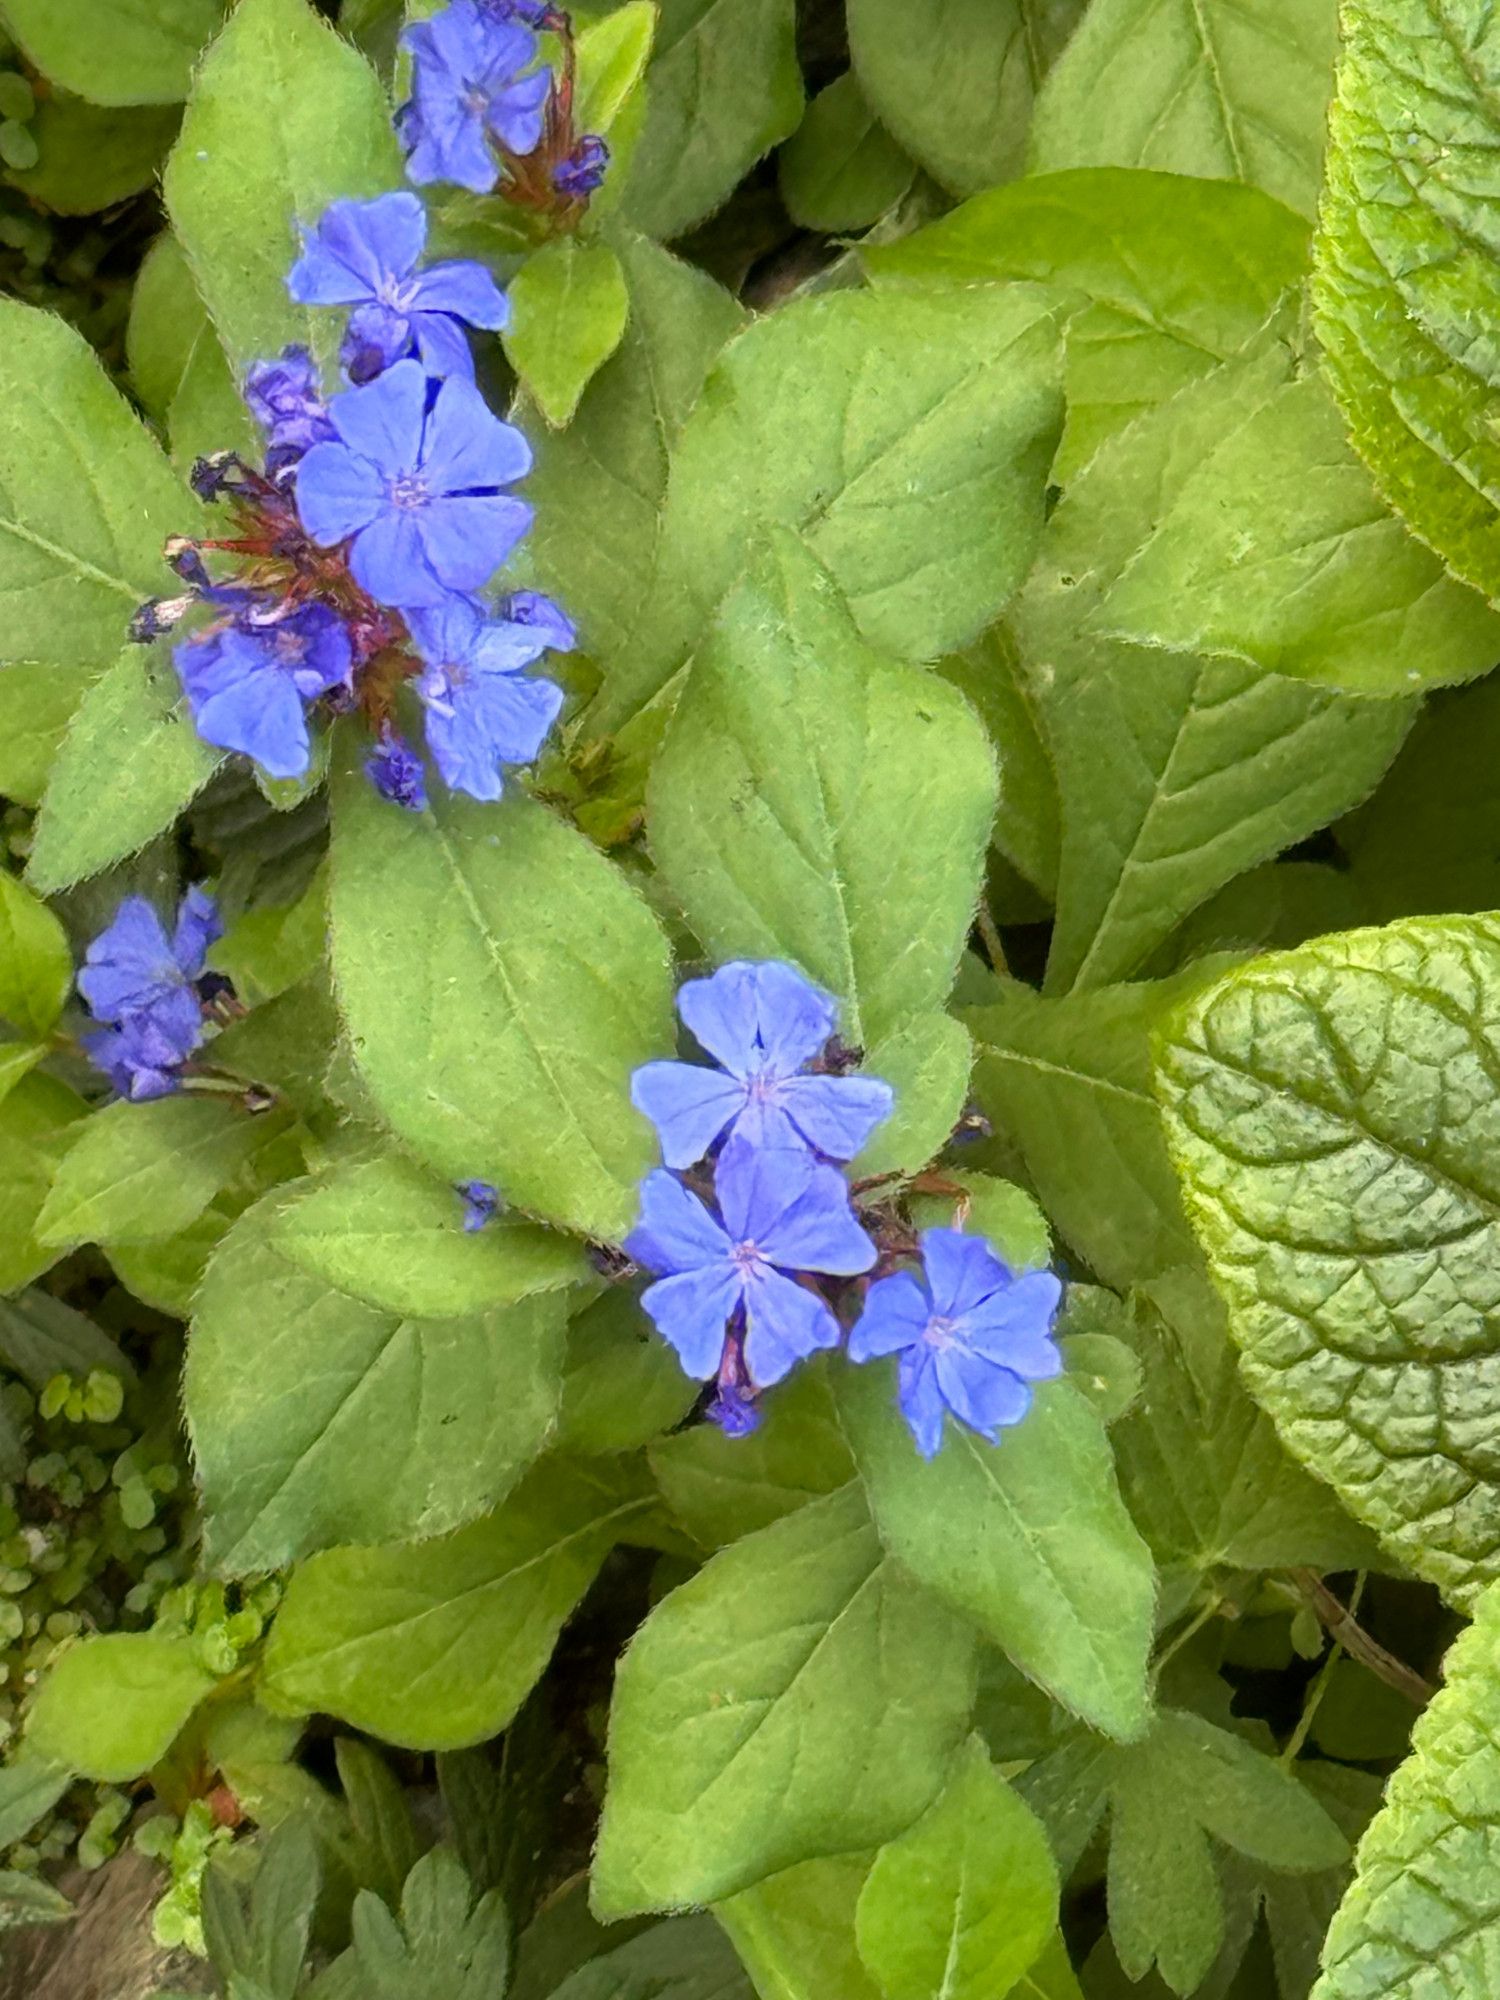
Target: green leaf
{"type": "Point", "coordinates": [795, 769]}
{"type": "Point", "coordinates": [907, 439]}
{"type": "Point", "coordinates": [383, 1231]}
{"type": "Point", "coordinates": [136, 1173]}
{"type": "Point", "coordinates": [29, 1789]}
{"type": "Point", "coordinates": [441, 1945]}
{"type": "Point", "coordinates": [841, 169]}
{"type": "Point", "coordinates": [955, 81]}
{"type": "Point", "coordinates": [1069, 1083]}
{"type": "Point", "coordinates": [386, 1842]}
{"type": "Point", "coordinates": [41, 1337]}
{"type": "Point", "coordinates": [86, 498]}
{"type": "Point", "coordinates": [1330, 1111]}
{"type": "Point", "coordinates": [600, 486]}
{"type": "Point", "coordinates": [993, 1208]}
{"type": "Point", "coordinates": [990, 676]}
{"type": "Point", "coordinates": [501, 941]}
{"type": "Point", "coordinates": [177, 365]}
{"type": "Point", "coordinates": [437, 1646]}
{"type": "Point", "coordinates": [36, 706]}
{"type": "Point", "coordinates": [25, 1900]}
{"type": "Point", "coordinates": [568, 308]}
{"type": "Point", "coordinates": [1048, 1564]}
{"type": "Point", "coordinates": [1195, 87]}
{"type": "Point", "coordinates": [1175, 275]}
{"type": "Point", "coordinates": [129, 763]}
{"type": "Point", "coordinates": [90, 157]}
{"type": "Point", "coordinates": [926, 1061]}
{"type": "Point", "coordinates": [36, 962]}
{"type": "Point", "coordinates": [1175, 773]}
{"type": "Point", "coordinates": [623, 1385]}
{"type": "Point", "coordinates": [720, 1487]}
{"type": "Point", "coordinates": [260, 1942]}
{"type": "Point", "coordinates": [283, 117]}
{"type": "Point", "coordinates": [723, 88]}
{"type": "Point", "coordinates": [111, 1706]}
{"type": "Point", "coordinates": [1404, 271]}
{"type": "Point", "coordinates": [35, 1116]}
{"type": "Point", "coordinates": [795, 1932]}
{"type": "Point", "coordinates": [689, 1959]}
{"type": "Point", "coordinates": [1421, 1916]}
{"type": "Point", "coordinates": [115, 51]}
{"type": "Point", "coordinates": [799, 1697]}
{"type": "Point", "coordinates": [612, 55]}
{"type": "Point", "coordinates": [318, 1419]}
{"type": "Point", "coordinates": [964, 1902]}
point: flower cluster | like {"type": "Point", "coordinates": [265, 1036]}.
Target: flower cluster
{"type": "Point", "coordinates": [150, 993]}
{"type": "Point", "coordinates": [744, 1250]}
{"type": "Point", "coordinates": [360, 547]}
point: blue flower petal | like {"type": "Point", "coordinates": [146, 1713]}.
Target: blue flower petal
{"type": "Point", "coordinates": [675, 1231]}
{"type": "Point", "coordinates": [836, 1114]}
{"type": "Point", "coordinates": [689, 1107]}
{"type": "Point", "coordinates": [690, 1311]}
{"type": "Point", "coordinates": [784, 1323]}
{"type": "Point", "coordinates": [896, 1315]}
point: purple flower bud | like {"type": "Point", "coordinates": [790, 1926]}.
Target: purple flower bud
{"type": "Point", "coordinates": [582, 172]}
{"type": "Point", "coordinates": [481, 1201]}
{"type": "Point", "coordinates": [395, 770]}
{"type": "Point", "coordinates": [285, 398]}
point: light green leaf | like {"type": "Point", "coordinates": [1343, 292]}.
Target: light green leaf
{"type": "Point", "coordinates": [36, 706]}
{"type": "Point", "coordinates": [1175, 276]}
{"type": "Point", "coordinates": [906, 438]}
{"type": "Point", "coordinates": [1405, 272]}
{"type": "Point", "coordinates": [990, 676]}
{"type": "Point", "coordinates": [723, 88]}
{"type": "Point", "coordinates": [796, 771]}
{"type": "Point", "coordinates": [26, 1900]}
{"type": "Point", "coordinates": [115, 51]}
{"type": "Point", "coordinates": [41, 1337]}
{"type": "Point", "coordinates": [996, 1209]}
{"type": "Point", "coordinates": [318, 1419]}
{"type": "Point", "coordinates": [1333, 1115]}
{"type": "Point", "coordinates": [612, 55]}
{"type": "Point", "coordinates": [91, 157]}
{"type": "Point", "coordinates": [841, 169]}
{"type": "Point", "coordinates": [1069, 1084]}
{"type": "Point", "coordinates": [284, 115]}
{"type": "Point", "coordinates": [965, 1900]}
{"type": "Point", "coordinates": [926, 1061]}
{"type": "Point", "coordinates": [36, 962]}
{"type": "Point", "coordinates": [18, 1059]}
{"type": "Point", "coordinates": [568, 308]}
{"type": "Point", "coordinates": [686, 1959]}
{"type": "Point", "coordinates": [29, 1789]}
{"type": "Point", "coordinates": [1200, 87]}
{"type": "Point", "coordinates": [111, 1706]}
{"type": "Point", "coordinates": [500, 980]}
{"type": "Point", "coordinates": [136, 1173]}
{"type": "Point", "coordinates": [1047, 1563]}
{"type": "Point", "coordinates": [437, 1646]}
{"type": "Point", "coordinates": [177, 365]}
{"type": "Point", "coordinates": [795, 1932]}
{"type": "Point", "coordinates": [623, 1385]}
{"type": "Point", "coordinates": [1175, 773]}
{"type": "Point", "coordinates": [86, 498]}
{"type": "Point", "coordinates": [128, 765]}
{"type": "Point", "coordinates": [1422, 1915]}
{"type": "Point", "coordinates": [721, 1487]}
{"type": "Point", "coordinates": [441, 1944]}
{"type": "Point", "coordinates": [799, 1697]}
{"type": "Point", "coordinates": [35, 1115]}
{"type": "Point", "coordinates": [383, 1231]}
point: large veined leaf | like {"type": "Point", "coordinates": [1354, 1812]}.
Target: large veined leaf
{"type": "Point", "coordinates": [436, 1647]}
{"type": "Point", "coordinates": [795, 1932]}
{"type": "Point", "coordinates": [1334, 1118]}
{"type": "Point", "coordinates": [500, 981]}
{"type": "Point", "coordinates": [1423, 1914]}
{"type": "Point", "coordinates": [86, 498]}
{"type": "Point", "coordinates": [907, 438]}
{"type": "Point", "coordinates": [1175, 772]}
{"type": "Point", "coordinates": [284, 115]}
{"type": "Point", "coordinates": [115, 51]}
{"type": "Point", "coordinates": [318, 1419]}
{"type": "Point", "coordinates": [955, 79]}
{"type": "Point", "coordinates": [1176, 275]}
{"type": "Point", "coordinates": [814, 804]}
{"type": "Point", "coordinates": [111, 1706]}
{"type": "Point", "coordinates": [1406, 275]}
{"type": "Point", "coordinates": [800, 1696]}
{"type": "Point", "coordinates": [1206, 87]}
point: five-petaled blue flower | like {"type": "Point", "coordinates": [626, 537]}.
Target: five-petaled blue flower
{"type": "Point", "coordinates": [395, 770]}
{"type": "Point", "coordinates": [763, 1023]}
{"type": "Point", "coordinates": [365, 254]}
{"type": "Point", "coordinates": [471, 79]}
{"type": "Point", "coordinates": [416, 482]}
{"type": "Point", "coordinates": [246, 682]}
{"type": "Point", "coordinates": [483, 710]}
{"type": "Point", "coordinates": [972, 1336]}
{"type": "Point", "coordinates": [286, 400]}
{"type": "Point", "coordinates": [782, 1212]}
{"type": "Point", "coordinates": [141, 984]}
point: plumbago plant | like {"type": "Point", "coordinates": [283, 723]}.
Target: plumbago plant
{"type": "Point", "coordinates": [750, 1089]}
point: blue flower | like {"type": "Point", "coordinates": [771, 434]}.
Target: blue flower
{"type": "Point", "coordinates": [582, 172]}
{"type": "Point", "coordinates": [417, 480]}
{"type": "Point", "coordinates": [480, 1200]}
{"type": "Point", "coordinates": [782, 1212]}
{"type": "Point", "coordinates": [483, 710]}
{"type": "Point", "coordinates": [286, 400]}
{"type": "Point", "coordinates": [142, 983]}
{"type": "Point", "coordinates": [763, 1023]}
{"type": "Point", "coordinates": [467, 84]}
{"type": "Point", "coordinates": [365, 254]}
{"type": "Point", "coordinates": [395, 770]}
{"type": "Point", "coordinates": [972, 1336]}
{"type": "Point", "coordinates": [246, 682]}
